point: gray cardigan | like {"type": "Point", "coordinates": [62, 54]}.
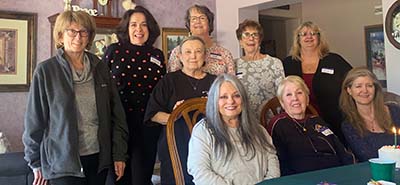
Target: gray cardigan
{"type": "Point", "coordinates": [51, 132]}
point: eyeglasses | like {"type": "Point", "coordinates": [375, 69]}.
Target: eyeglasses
{"type": "Point", "coordinates": [311, 33]}
{"type": "Point", "coordinates": [247, 35]}
{"type": "Point", "coordinates": [73, 33]}
{"type": "Point", "coordinates": [201, 18]}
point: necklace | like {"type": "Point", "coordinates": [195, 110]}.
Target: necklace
{"type": "Point", "coordinates": [301, 126]}
{"type": "Point", "coordinates": [371, 124]}
{"type": "Point", "coordinates": [194, 86]}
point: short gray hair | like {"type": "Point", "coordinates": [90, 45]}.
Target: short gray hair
{"type": "Point", "coordinates": [190, 38]}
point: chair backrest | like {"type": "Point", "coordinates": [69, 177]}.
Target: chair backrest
{"type": "Point", "coordinates": [274, 106]}
{"type": "Point", "coordinates": [391, 98]}
{"type": "Point", "coordinates": [190, 110]}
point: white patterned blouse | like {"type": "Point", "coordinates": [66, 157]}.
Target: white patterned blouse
{"type": "Point", "coordinates": [261, 79]}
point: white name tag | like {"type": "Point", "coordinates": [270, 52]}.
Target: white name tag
{"type": "Point", "coordinates": [239, 75]}
{"type": "Point", "coordinates": [328, 71]}
{"type": "Point", "coordinates": [155, 61]}
{"type": "Point", "coordinates": [216, 56]}
{"type": "Point", "coordinates": [327, 132]}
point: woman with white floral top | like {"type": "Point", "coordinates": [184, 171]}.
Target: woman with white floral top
{"type": "Point", "coordinates": [259, 73]}
{"type": "Point", "coordinates": [200, 23]}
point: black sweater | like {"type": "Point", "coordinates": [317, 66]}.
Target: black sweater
{"type": "Point", "coordinates": [327, 83]}
{"type": "Point", "coordinates": [306, 145]}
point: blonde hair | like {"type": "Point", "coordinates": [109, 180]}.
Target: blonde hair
{"type": "Point", "coordinates": [323, 48]}
{"type": "Point", "coordinates": [65, 19]}
{"type": "Point", "coordinates": [349, 107]}
{"type": "Point", "coordinates": [296, 80]}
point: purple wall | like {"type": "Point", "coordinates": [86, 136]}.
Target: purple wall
{"type": "Point", "coordinates": [12, 105]}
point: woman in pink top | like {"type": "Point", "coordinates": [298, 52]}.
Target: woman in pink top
{"type": "Point", "coordinates": [200, 23]}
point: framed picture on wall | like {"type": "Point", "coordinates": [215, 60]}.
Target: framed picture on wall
{"type": "Point", "coordinates": [375, 50]}
{"type": "Point", "coordinates": [172, 37]}
{"type": "Point", "coordinates": [101, 41]}
{"type": "Point", "coordinates": [17, 50]}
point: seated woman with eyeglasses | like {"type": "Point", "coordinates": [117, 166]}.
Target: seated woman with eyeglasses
{"type": "Point", "coordinates": [303, 142]}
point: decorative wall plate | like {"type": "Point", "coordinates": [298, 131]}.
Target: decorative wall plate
{"type": "Point", "coordinates": [392, 24]}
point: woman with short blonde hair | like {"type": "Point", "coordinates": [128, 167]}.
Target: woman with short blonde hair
{"type": "Point", "coordinates": [303, 142]}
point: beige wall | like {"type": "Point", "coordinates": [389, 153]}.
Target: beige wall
{"type": "Point", "coordinates": [273, 31]}
{"type": "Point", "coordinates": [343, 22]}
{"type": "Point", "coordinates": [228, 16]}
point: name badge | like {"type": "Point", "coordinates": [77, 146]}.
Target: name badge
{"type": "Point", "coordinates": [239, 75]}
{"type": "Point", "coordinates": [155, 61]}
{"type": "Point", "coordinates": [327, 132]}
{"type": "Point", "coordinates": [323, 129]}
{"type": "Point", "coordinates": [215, 56]}
{"type": "Point", "coordinates": [328, 71]}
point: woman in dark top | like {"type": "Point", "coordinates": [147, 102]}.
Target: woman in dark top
{"type": "Point", "coordinates": [303, 142]}
{"type": "Point", "coordinates": [369, 121]}
{"type": "Point", "coordinates": [322, 71]}
{"type": "Point", "coordinates": [137, 67]}
{"type": "Point", "coordinates": [172, 90]}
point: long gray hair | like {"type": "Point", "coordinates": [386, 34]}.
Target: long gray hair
{"type": "Point", "coordinates": [251, 134]}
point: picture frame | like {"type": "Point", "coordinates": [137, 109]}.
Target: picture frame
{"type": "Point", "coordinates": [103, 38]}
{"type": "Point", "coordinates": [375, 51]}
{"type": "Point", "coordinates": [18, 32]}
{"type": "Point", "coordinates": [172, 37]}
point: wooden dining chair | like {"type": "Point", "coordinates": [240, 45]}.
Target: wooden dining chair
{"type": "Point", "coordinates": [275, 108]}
{"type": "Point", "coordinates": [190, 110]}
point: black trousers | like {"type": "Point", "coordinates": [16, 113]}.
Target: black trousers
{"type": "Point", "coordinates": [90, 165]}
{"type": "Point", "coordinates": [142, 153]}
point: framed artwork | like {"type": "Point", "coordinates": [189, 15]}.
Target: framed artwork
{"type": "Point", "coordinates": [172, 37]}
{"type": "Point", "coordinates": [103, 38]}
{"type": "Point", "coordinates": [375, 50]}
{"type": "Point", "coordinates": [17, 50]}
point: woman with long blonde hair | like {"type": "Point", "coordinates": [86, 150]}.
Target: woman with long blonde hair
{"type": "Point", "coordinates": [369, 121]}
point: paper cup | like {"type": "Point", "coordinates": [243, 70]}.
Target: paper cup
{"type": "Point", "coordinates": [382, 169]}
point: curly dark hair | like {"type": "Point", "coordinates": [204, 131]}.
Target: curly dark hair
{"type": "Point", "coordinates": [123, 27]}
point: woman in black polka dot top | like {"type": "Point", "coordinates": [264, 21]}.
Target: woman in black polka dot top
{"type": "Point", "coordinates": [137, 66]}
